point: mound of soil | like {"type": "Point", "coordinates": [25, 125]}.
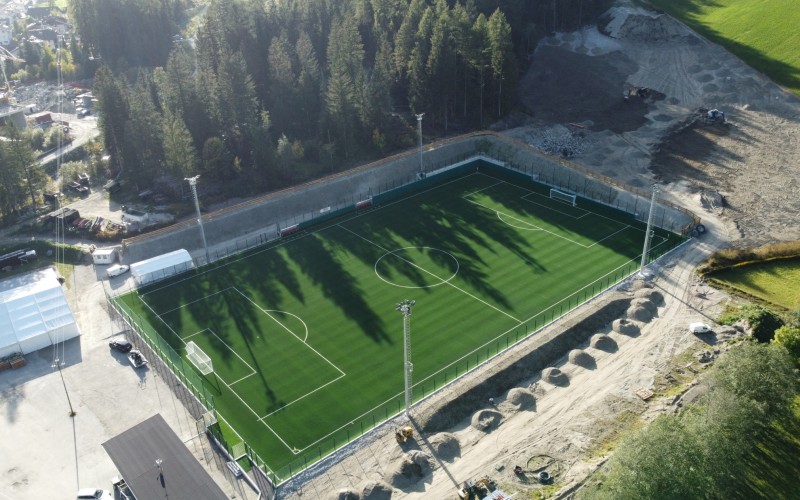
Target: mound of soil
{"type": "Point", "coordinates": [639, 313]}
{"type": "Point", "coordinates": [347, 494]}
{"type": "Point", "coordinates": [521, 398]}
{"type": "Point", "coordinates": [486, 420]}
{"type": "Point", "coordinates": [376, 490]}
{"type": "Point", "coordinates": [582, 359]}
{"type": "Point", "coordinates": [445, 446]}
{"type": "Point", "coordinates": [626, 327]}
{"type": "Point", "coordinates": [555, 376]}
{"type": "Point", "coordinates": [650, 294]}
{"type": "Point", "coordinates": [647, 304]}
{"type": "Point", "coordinates": [603, 342]}
{"type": "Point", "coordinates": [412, 467]}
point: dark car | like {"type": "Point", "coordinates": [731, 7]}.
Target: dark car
{"type": "Point", "coordinates": [121, 344]}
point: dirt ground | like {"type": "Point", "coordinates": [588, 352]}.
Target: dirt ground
{"type": "Point", "coordinates": [749, 167]}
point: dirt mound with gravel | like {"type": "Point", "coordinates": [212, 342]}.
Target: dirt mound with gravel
{"type": "Point", "coordinates": [582, 359]}
{"type": "Point", "coordinates": [639, 313]}
{"type": "Point", "coordinates": [521, 398]}
{"type": "Point", "coordinates": [486, 420]}
{"type": "Point", "coordinates": [347, 494]}
{"type": "Point", "coordinates": [376, 490]}
{"type": "Point", "coordinates": [603, 342]}
{"type": "Point", "coordinates": [650, 294]}
{"type": "Point", "coordinates": [411, 467]}
{"type": "Point", "coordinates": [647, 304]}
{"type": "Point", "coordinates": [445, 446]}
{"type": "Point", "coordinates": [626, 327]}
{"type": "Point", "coordinates": [555, 376]}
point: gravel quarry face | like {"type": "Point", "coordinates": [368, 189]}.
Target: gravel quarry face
{"type": "Point", "coordinates": [740, 179]}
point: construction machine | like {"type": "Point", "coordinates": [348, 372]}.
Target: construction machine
{"type": "Point", "coordinates": [403, 434]}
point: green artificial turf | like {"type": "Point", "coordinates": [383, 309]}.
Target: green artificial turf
{"type": "Point", "coordinates": [763, 33]}
{"type": "Point", "coordinates": [307, 345]}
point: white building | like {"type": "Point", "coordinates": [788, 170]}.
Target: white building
{"type": "Point", "coordinates": [34, 313]}
{"type": "Point", "coordinates": [161, 266]}
{"type": "Point", "coordinates": [104, 255]}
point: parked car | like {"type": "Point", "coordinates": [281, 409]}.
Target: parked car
{"type": "Point", "coordinates": [699, 328]}
{"type": "Point", "coordinates": [120, 344]}
{"type": "Point", "coordinates": [116, 270]}
{"type": "Point", "coordinates": [94, 493]}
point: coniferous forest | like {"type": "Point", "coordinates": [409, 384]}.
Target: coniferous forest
{"type": "Point", "coordinates": [266, 93]}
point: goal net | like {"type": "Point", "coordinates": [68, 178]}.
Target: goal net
{"type": "Point", "coordinates": [562, 196]}
{"type": "Point", "coordinates": [198, 358]}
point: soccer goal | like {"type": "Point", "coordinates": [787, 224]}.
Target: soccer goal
{"type": "Point", "coordinates": [198, 358]}
{"type": "Point", "coordinates": [562, 196]}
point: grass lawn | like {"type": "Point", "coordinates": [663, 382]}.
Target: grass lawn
{"type": "Point", "coordinates": [306, 343]}
{"type": "Point", "coordinates": [763, 33]}
{"type": "Point", "coordinates": [776, 281]}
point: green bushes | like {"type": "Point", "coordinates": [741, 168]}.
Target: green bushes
{"type": "Point", "coordinates": [705, 451]}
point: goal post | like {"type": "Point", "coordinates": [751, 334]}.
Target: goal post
{"type": "Point", "coordinates": [198, 358]}
{"type": "Point", "coordinates": [557, 194]}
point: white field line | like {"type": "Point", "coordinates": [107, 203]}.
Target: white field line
{"type": "Point", "coordinates": [431, 274]}
{"type": "Point", "coordinates": [291, 332]}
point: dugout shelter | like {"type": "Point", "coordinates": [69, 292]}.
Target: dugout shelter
{"type": "Point", "coordinates": [161, 266]}
{"type": "Point", "coordinates": [34, 313]}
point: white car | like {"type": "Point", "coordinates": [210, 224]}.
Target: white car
{"type": "Point", "coordinates": [94, 493]}
{"type": "Point", "coordinates": [699, 328]}
{"type": "Point", "coordinates": [116, 270]}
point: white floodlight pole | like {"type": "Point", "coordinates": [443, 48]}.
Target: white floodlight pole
{"type": "Point", "coordinates": [419, 132]}
{"type": "Point", "coordinates": [648, 233]}
{"type": "Point", "coordinates": [405, 309]}
{"type": "Point", "coordinates": [193, 184]}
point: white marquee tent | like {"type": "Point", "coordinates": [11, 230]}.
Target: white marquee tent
{"type": "Point", "coordinates": [34, 313]}
{"type": "Point", "coordinates": [161, 266]}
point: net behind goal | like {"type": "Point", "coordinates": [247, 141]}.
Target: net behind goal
{"type": "Point", "coordinates": [563, 196]}
{"type": "Point", "coordinates": [199, 359]}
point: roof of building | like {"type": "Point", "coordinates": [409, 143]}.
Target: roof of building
{"type": "Point", "coordinates": [156, 464]}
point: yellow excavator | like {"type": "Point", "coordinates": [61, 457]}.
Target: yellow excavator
{"type": "Point", "coordinates": [403, 434]}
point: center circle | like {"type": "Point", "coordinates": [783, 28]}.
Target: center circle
{"type": "Point", "coordinates": [398, 254]}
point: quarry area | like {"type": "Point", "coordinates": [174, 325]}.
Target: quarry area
{"type": "Point", "coordinates": [627, 99]}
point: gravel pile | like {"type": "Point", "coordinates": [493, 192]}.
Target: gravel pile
{"type": "Point", "coordinates": [558, 141]}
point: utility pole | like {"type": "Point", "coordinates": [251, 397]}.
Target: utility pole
{"type": "Point", "coordinates": [419, 132]}
{"type": "Point", "coordinates": [405, 309]}
{"type": "Point", "coordinates": [648, 232]}
{"type": "Point", "coordinates": [193, 184]}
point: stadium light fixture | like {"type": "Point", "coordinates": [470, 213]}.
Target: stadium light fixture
{"type": "Point", "coordinates": [193, 185]}
{"type": "Point", "coordinates": [419, 132]}
{"type": "Point", "coordinates": [648, 233]}
{"type": "Point", "coordinates": [405, 309]}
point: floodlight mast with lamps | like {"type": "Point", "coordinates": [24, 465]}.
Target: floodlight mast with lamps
{"type": "Point", "coordinates": [193, 184]}
{"type": "Point", "coordinates": [405, 309]}
{"type": "Point", "coordinates": [648, 232]}
{"type": "Point", "coordinates": [419, 132]}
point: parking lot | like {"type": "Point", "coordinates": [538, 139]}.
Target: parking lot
{"type": "Point", "coordinates": [45, 453]}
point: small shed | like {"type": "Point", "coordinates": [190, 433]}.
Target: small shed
{"type": "Point", "coordinates": [161, 266]}
{"type": "Point", "coordinates": [104, 255]}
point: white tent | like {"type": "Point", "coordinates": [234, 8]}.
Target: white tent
{"type": "Point", "coordinates": [161, 266]}
{"type": "Point", "coordinates": [34, 313]}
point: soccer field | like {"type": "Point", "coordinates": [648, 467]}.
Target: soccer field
{"type": "Point", "coordinates": [304, 337]}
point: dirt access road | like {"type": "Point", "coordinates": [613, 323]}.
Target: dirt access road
{"type": "Point", "coordinates": [574, 90]}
